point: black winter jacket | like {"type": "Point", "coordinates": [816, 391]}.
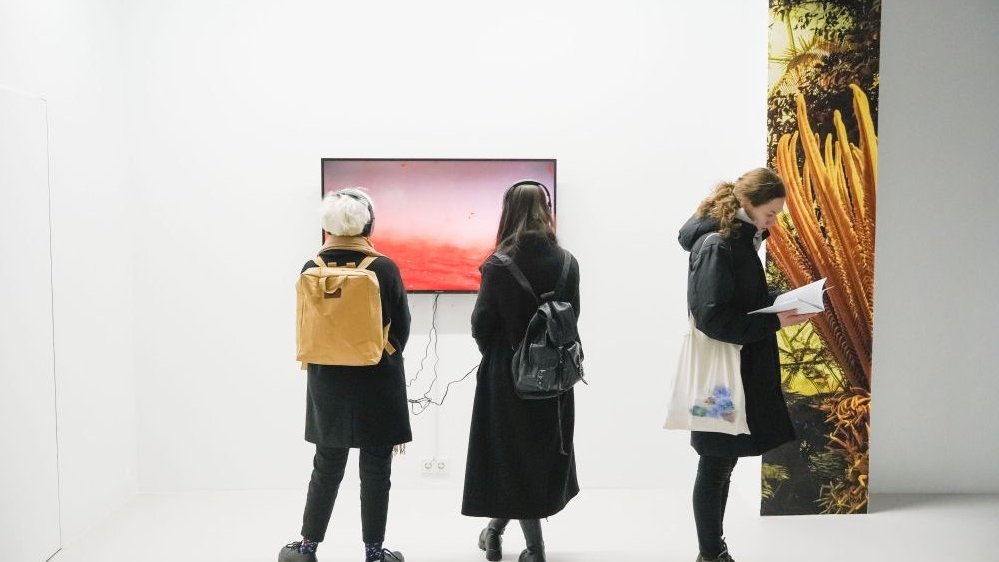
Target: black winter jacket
{"type": "Point", "coordinates": [725, 281]}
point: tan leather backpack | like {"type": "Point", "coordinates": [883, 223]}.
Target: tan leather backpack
{"type": "Point", "coordinates": [340, 315]}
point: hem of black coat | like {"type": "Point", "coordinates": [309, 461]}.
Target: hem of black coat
{"type": "Point", "coordinates": [355, 445]}
{"type": "Point", "coordinates": [476, 511]}
{"type": "Point", "coordinates": [759, 449]}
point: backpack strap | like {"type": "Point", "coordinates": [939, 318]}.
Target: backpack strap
{"type": "Point", "coordinates": [521, 279]}
{"type": "Point", "coordinates": [562, 279]}
{"type": "Point", "coordinates": [388, 345]}
{"type": "Point", "coordinates": [366, 262]}
{"type": "Point", "coordinates": [518, 275]}
{"type": "Point", "coordinates": [700, 241]}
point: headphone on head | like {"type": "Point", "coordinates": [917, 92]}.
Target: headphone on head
{"type": "Point", "coordinates": [548, 195]}
{"type": "Point", "coordinates": [366, 231]}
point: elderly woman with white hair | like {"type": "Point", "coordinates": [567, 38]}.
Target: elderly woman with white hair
{"type": "Point", "coordinates": [356, 407]}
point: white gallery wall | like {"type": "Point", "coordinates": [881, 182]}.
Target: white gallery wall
{"type": "Point", "coordinates": [645, 106]}
{"type": "Point", "coordinates": [29, 475]}
{"type": "Point", "coordinates": [71, 54]}
{"type": "Point", "coordinates": [936, 317]}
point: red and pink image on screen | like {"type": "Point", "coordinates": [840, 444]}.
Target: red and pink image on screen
{"type": "Point", "coordinates": [436, 219]}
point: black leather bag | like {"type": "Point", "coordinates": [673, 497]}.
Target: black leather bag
{"type": "Point", "coordinates": [549, 360]}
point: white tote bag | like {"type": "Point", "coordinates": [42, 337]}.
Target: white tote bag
{"type": "Point", "coordinates": [707, 391]}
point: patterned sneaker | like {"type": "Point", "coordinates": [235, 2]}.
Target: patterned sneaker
{"type": "Point", "coordinates": [292, 552]}
{"type": "Point", "coordinates": [392, 556]}
{"type": "Point", "coordinates": [723, 557]}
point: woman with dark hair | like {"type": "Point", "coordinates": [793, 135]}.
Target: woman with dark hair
{"type": "Point", "coordinates": [725, 281]}
{"type": "Point", "coordinates": [521, 462]}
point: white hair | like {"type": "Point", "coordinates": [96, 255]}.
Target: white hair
{"type": "Point", "coordinates": [345, 212]}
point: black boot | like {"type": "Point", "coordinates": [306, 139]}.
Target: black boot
{"type": "Point", "coordinates": [535, 551]}
{"type": "Point", "coordinates": [532, 555]}
{"type": "Point", "coordinates": [491, 542]}
{"type": "Point", "coordinates": [491, 539]}
{"type": "Point", "coordinates": [723, 557]}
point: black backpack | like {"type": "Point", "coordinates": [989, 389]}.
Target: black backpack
{"type": "Point", "coordinates": [549, 360]}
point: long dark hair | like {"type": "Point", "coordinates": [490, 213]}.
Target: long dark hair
{"type": "Point", "coordinates": [759, 187]}
{"type": "Point", "coordinates": [526, 212]}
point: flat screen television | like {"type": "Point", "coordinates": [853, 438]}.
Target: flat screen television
{"type": "Point", "coordinates": [436, 218]}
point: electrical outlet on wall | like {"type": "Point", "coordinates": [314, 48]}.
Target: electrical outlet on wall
{"type": "Point", "coordinates": [433, 466]}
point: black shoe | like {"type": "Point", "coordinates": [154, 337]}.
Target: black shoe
{"type": "Point", "coordinates": [492, 543]}
{"type": "Point", "coordinates": [532, 554]}
{"type": "Point", "coordinates": [290, 553]}
{"type": "Point", "coordinates": [392, 556]}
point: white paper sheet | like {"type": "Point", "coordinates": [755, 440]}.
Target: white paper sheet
{"type": "Point", "coordinates": [805, 300]}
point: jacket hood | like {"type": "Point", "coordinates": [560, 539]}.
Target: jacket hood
{"type": "Point", "coordinates": [697, 226]}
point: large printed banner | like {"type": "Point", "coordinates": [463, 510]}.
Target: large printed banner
{"type": "Point", "coordinates": [822, 120]}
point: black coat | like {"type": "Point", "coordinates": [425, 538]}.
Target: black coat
{"type": "Point", "coordinates": [364, 406]}
{"type": "Point", "coordinates": [514, 468]}
{"type": "Point", "coordinates": [726, 280]}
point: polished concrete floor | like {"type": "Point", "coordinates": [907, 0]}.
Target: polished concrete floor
{"type": "Point", "coordinates": [599, 526]}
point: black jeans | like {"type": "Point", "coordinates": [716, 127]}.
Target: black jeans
{"type": "Point", "coordinates": [327, 472]}
{"type": "Point", "coordinates": [710, 496]}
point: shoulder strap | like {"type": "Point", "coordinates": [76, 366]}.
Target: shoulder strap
{"type": "Point", "coordinates": [518, 275]}
{"type": "Point", "coordinates": [704, 238]}
{"type": "Point", "coordinates": [366, 262]}
{"type": "Point", "coordinates": [562, 279]}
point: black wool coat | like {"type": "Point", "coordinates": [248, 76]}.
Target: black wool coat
{"type": "Point", "coordinates": [357, 407]}
{"type": "Point", "coordinates": [515, 469]}
{"type": "Point", "coordinates": [726, 280]}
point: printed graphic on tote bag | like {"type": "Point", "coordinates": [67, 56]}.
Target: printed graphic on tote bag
{"type": "Point", "coordinates": [718, 405]}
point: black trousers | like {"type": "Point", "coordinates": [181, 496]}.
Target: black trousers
{"type": "Point", "coordinates": [327, 473]}
{"type": "Point", "coordinates": [714, 475]}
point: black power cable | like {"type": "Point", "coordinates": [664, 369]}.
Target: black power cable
{"type": "Point", "coordinates": [419, 405]}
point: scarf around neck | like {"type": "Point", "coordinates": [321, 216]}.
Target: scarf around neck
{"type": "Point", "coordinates": [742, 215]}
{"type": "Point", "coordinates": [352, 243]}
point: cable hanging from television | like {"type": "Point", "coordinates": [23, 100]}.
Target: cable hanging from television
{"type": "Point", "coordinates": [419, 405]}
